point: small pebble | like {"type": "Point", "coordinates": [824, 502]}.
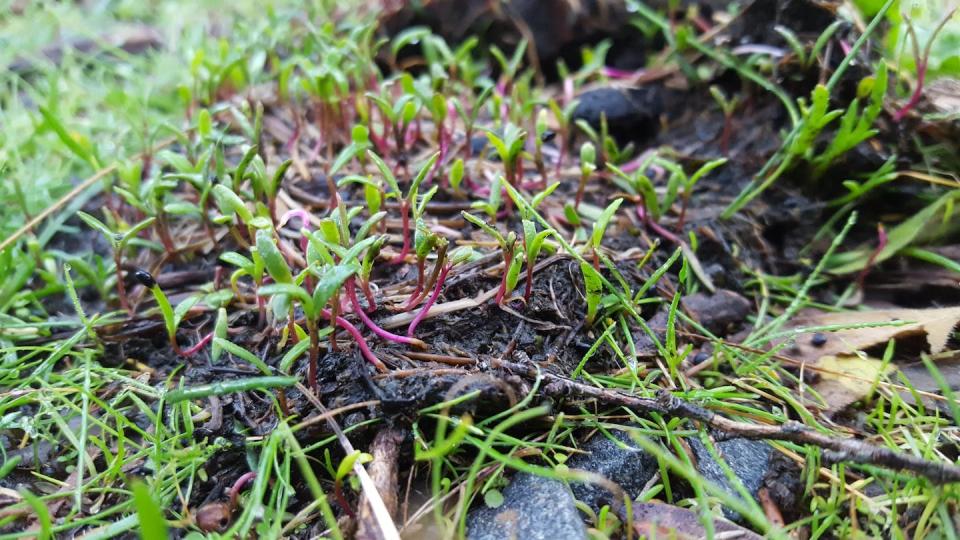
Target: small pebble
{"type": "Point", "coordinates": [818, 340]}
{"type": "Point", "coordinates": [700, 358]}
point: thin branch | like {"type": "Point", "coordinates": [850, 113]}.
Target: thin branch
{"type": "Point", "coordinates": [841, 449]}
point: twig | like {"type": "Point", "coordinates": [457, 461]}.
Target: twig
{"type": "Point", "coordinates": [669, 405]}
{"type": "Point", "coordinates": [383, 471]}
{"type": "Point", "coordinates": [383, 520]}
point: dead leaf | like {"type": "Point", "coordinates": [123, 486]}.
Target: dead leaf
{"type": "Point", "coordinates": [931, 327]}
{"type": "Point", "coordinates": [660, 520]}
{"type": "Point", "coordinates": [847, 370]}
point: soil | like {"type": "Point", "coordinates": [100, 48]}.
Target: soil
{"type": "Point", "coordinates": [547, 329]}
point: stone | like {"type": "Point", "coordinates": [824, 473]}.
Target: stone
{"type": "Point", "coordinates": [623, 463]}
{"type": "Point", "coordinates": [534, 508]}
{"type": "Point", "coordinates": [633, 114]}
{"type": "Point", "coordinates": [749, 460]}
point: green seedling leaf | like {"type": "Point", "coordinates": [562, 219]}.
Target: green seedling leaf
{"type": "Point", "coordinates": [240, 172]}
{"type": "Point", "coordinates": [593, 290]}
{"type": "Point", "coordinates": [570, 213]}
{"type": "Point", "coordinates": [349, 461]}
{"type": "Point", "coordinates": [204, 124]}
{"type": "Point", "coordinates": [600, 226]}
{"type": "Point", "coordinates": [344, 157]}
{"type": "Point", "coordinates": [355, 250]}
{"type": "Point", "coordinates": [231, 204]}
{"type": "Point", "coordinates": [236, 259]}
{"type": "Point", "coordinates": [925, 224]}
{"type": "Point", "coordinates": [80, 146]}
{"type": "Point", "coordinates": [483, 226]}
{"type": "Point", "coordinates": [331, 280]}
{"type": "Point", "coordinates": [177, 162]}
{"type": "Point", "coordinates": [219, 331]}
{"type": "Point", "coordinates": [166, 310]}
{"type": "Point", "coordinates": [368, 225]}
{"type": "Point", "coordinates": [243, 354]}
{"type": "Point", "coordinates": [184, 306]}
{"type": "Point", "coordinates": [135, 230]}
{"type": "Point", "coordinates": [278, 177]}
{"type": "Point", "coordinates": [273, 259]}
{"type": "Point", "coordinates": [294, 353]}
{"type": "Point", "coordinates": [456, 174]}
{"type": "Point", "coordinates": [387, 174]}
{"type": "Point", "coordinates": [513, 274]}
{"type": "Point", "coordinates": [421, 175]}
{"type": "Point", "coordinates": [540, 197]}
{"type": "Point", "coordinates": [228, 387]}
{"type": "Point", "coordinates": [152, 524]}
{"type": "Point", "coordinates": [288, 289]}
{"type": "Point", "coordinates": [317, 252]}
{"type": "Point", "coordinates": [95, 223]}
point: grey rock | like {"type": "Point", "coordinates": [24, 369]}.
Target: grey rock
{"type": "Point", "coordinates": [749, 460]}
{"type": "Point", "coordinates": [624, 464]}
{"type": "Point", "coordinates": [534, 508]}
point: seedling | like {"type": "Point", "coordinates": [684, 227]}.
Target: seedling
{"type": "Point", "coordinates": [408, 203]}
{"type": "Point", "coordinates": [600, 228]}
{"type": "Point", "coordinates": [343, 471]}
{"type": "Point", "coordinates": [805, 58]}
{"type": "Point", "coordinates": [509, 148]}
{"type": "Point", "coordinates": [329, 282]}
{"type": "Point", "coordinates": [511, 265]}
{"type": "Point", "coordinates": [118, 241]}
{"type": "Point", "coordinates": [171, 317]}
{"type": "Point", "coordinates": [469, 119]}
{"type": "Point", "coordinates": [459, 255]}
{"type": "Point", "coordinates": [588, 164]}
{"type": "Point", "coordinates": [564, 118]}
{"type": "Point", "coordinates": [728, 106]}
{"type": "Point", "coordinates": [921, 60]}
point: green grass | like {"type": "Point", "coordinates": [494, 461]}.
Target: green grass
{"type": "Point", "coordinates": [125, 437]}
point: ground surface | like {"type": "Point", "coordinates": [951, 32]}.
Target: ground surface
{"type": "Point", "coordinates": [343, 272]}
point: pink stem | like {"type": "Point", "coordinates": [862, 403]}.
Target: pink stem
{"type": "Point", "coordinates": [362, 343]}
{"type": "Point", "coordinates": [238, 487]}
{"type": "Point", "coordinates": [433, 298]}
{"type": "Point", "coordinates": [915, 97]}
{"type": "Point", "coordinates": [389, 336]}
{"type": "Point", "coordinates": [200, 345]}
{"type": "Point", "coordinates": [656, 227]}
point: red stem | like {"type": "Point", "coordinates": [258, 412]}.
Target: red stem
{"type": "Point", "coordinates": [433, 298]}
{"type": "Point", "coordinates": [200, 345]}
{"type": "Point", "coordinates": [364, 348]}
{"type": "Point", "coordinates": [238, 487]}
{"type": "Point", "coordinates": [389, 336]}
{"type": "Point", "coordinates": [917, 92]}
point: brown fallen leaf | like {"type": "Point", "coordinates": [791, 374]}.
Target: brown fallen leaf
{"type": "Point", "coordinates": [931, 327]}
{"type": "Point", "coordinates": [843, 358]}
{"type": "Point", "coordinates": [660, 520]}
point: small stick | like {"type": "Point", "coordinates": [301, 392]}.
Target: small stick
{"type": "Point", "coordinates": [383, 471]}
{"type": "Point", "coordinates": [669, 405]}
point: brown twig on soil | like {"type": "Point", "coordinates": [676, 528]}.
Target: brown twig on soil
{"type": "Point", "coordinates": [841, 449]}
{"type": "Point", "coordinates": [383, 471]}
{"type": "Point", "coordinates": [383, 520]}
